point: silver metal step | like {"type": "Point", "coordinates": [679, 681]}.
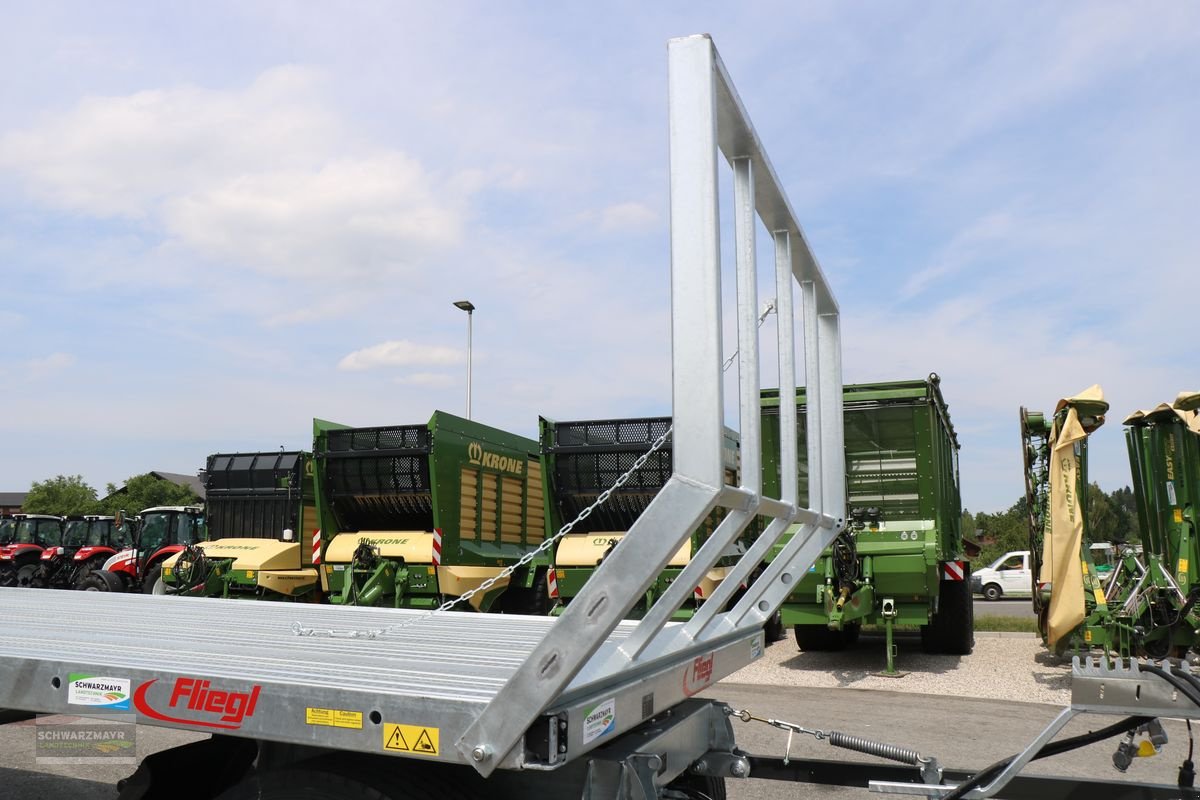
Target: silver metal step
{"type": "Point", "coordinates": [435, 676]}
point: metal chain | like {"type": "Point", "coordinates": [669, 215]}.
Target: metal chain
{"type": "Point", "coordinates": [300, 630]}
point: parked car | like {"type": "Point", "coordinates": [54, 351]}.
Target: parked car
{"type": "Point", "coordinates": [1009, 575]}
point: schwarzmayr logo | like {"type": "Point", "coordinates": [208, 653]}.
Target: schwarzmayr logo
{"type": "Point", "coordinates": [98, 691]}
{"type": "Point", "coordinates": [482, 458]}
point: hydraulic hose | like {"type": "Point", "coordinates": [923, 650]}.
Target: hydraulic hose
{"type": "Point", "coordinates": [1050, 749]}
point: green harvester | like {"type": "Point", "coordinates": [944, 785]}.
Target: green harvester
{"type": "Point", "coordinates": [900, 560]}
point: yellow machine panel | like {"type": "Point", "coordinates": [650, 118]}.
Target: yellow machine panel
{"type": "Point", "coordinates": [290, 581]}
{"type": "Point", "coordinates": [586, 550]}
{"type": "Point", "coordinates": [415, 547]}
{"type": "Point", "coordinates": [253, 554]}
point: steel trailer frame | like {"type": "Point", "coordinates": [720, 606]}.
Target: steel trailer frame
{"type": "Point", "coordinates": [516, 692]}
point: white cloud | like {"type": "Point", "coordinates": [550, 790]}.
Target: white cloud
{"type": "Point", "coordinates": [264, 178]}
{"type": "Point", "coordinates": [352, 216]}
{"type": "Point", "coordinates": [400, 353]}
{"type": "Point", "coordinates": [46, 366]}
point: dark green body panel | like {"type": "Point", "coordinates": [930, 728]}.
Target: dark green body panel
{"type": "Point", "coordinates": [901, 460]}
{"type": "Point", "coordinates": [581, 459]}
{"type": "Point", "coordinates": [479, 486]}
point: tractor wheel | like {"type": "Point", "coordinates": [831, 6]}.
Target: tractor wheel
{"type": "Point", "coordinates": [8, 575]}
{"type": "Point", "coordinates": [952, 629]}
{"type": "Point", "coordinates": [992, 592]}
{"type": "Point", "coordinates": [101, 581]}
{"type": "Point", "coordinates": [818, 637]}
{"type": "Point", "coordinates": [26, 573]}
{"type": "Point", "coordinates": [153, 577]}
{"type": "Point", "coordinates": [40, 579]}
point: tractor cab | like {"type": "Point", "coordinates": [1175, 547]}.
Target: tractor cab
{"type": "Point", "coordinates": [150, 538]}
{"type": "Point", "coordinates": [30, 535]}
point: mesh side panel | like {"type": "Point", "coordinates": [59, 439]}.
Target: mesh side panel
{"type": "Point", "coordinates": [378, 478]}
{"type": "Point", "coordinates": [396, 437]}
{"type": "Point", "coordinates": [253, 473]}
{"type": "Point", "coordinates": [250, 517]}
{"type": "Point", "coordinates": [609, 432]}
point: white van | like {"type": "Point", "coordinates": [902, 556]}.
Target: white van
{"type": "Point", "coordinates": [1009, 575]}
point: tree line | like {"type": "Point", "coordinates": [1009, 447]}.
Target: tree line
{"type": "Point", "coordinates": [1112, 517]}
{"type": "Point", "coordinates": [70, 495]}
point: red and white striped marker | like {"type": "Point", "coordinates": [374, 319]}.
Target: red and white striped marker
{"type": "Point", "coordinates": [953, 571]}
{"type": "Point", "coordinates": [437, 547]}
{"type": "Point", "coordinates": [552, 578]}
{"type": "Point", "coordinates": [316, 559]}
{"type": "Point", "coordinates": [699, 593]}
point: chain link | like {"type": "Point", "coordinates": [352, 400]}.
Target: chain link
{"type": "Point", "coordinates": [374, 633]}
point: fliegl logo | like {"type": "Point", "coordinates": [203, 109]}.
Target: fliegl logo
{"type": "Point", "coordinates": [482, 458]}
{"type": "Point", "coordinates": [198, 703]}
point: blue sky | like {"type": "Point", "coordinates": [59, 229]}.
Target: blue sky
{"type": "Point", "coordinates": [219, 220]}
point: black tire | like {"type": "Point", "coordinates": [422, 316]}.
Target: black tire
{"type": "Point", "coordinates": [152, 577]}
{"type": "Point", "coordinates": [818, 637]}
{"type": "Point", "coordinates": [700, 786]}
{"type": "Point", "coordinates": [40, 579]}
{"type": "Point", "coordinates": [952, 630]}
{"type": "Point", "coordinates": [773, 630]}
{"type": "Point", "coordinates": [8, 575]}
{"type": "Point", "coordinates": [850, 633]}
{"type": "Point", "coordinates": [101, 581]}
{"type": "Point", "coordinates": [351, 778]}
{"type": "Point", "coordinates": [992, 592]}
{"type": "Point", "coordinates": [25, 574]}
{"type": "Point", "coordinates": [304, 784]}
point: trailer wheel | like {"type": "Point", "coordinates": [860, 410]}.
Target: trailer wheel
{"type": "Point", "coordinates": [700, 787]}
{"type": "Point", "coordinates": [818, 637]}
{"type": "Point", "coordinates": [101, 581]}
{"type": "Point", "coordinates": [304, 784]}
{"type": "Point", "coordinates": [773, 630]}
{"type": "Point", "coordinates": [952, 629]}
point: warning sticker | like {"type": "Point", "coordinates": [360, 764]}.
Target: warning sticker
{"type": "Point", "coordinates": [333, 718]}
{"type": "Point", "coordinates": [414, 739]}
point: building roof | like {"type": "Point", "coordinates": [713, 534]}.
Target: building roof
{"type": "Point", "coordinates": [13, 498]}
{"type": "Point", "coordinates": [191, 481]}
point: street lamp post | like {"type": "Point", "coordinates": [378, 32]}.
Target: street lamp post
{"type": "Point", "coordinates": [469, 307]}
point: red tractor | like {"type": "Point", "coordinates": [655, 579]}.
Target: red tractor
{"type": "Point", "coordinates": [22, 545]}
{"type": "Point", "coordinates": [157, 534]}
{"type": "Point", "coordinates": [87, 543]}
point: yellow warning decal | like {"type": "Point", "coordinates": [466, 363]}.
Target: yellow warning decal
{"type": "Point", "coordinates": [1179, 515]}
{"type": "Point", "coordinates": [1183, 565]}
{"type": "Point", "coordinates": [1087, 635]}
{"type": "Point", "coordinates": [333, 718]}
{"type": "Point", "coordinates": [412, 739]}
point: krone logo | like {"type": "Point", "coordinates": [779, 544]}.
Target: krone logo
{"type": "Point", "coordinates": [481, 458]}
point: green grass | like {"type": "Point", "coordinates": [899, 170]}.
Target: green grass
{"type": "Point", "coordinates": [1006, 624]}
{"type": "Point", "coordinates": [982, 623]}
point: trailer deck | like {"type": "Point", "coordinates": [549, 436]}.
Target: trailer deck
{"type": "Point", "coordinates": [264, 680]}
